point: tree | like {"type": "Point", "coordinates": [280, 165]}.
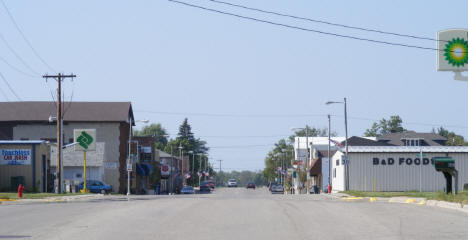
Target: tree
{"type": "Point", "coordinates": [156, 131]}
{"type": "Point", "coordinates": [313, 132]}
{"type": "Point", "coordinates": [385, 126]}
{"type": "Point", "coordinates": [187, 140]}
{"type": "Point", "coordinates": [281, 153]}
{"type": "Point", "coordinates": [453, 139]}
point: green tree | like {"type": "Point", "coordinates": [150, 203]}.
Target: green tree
{"type": "Point", "coordinates": [282, 153]}
{"type": "Point", "coordinates": [156, 131]}
{"type": "Point", "coordinates": [384, 126]}
{"type": "Point", "coordinates": [453, 139]}
{"type": "Point", "coordinates": [187, 140]}
{"type": "Point", "coordinates": [313, 132]}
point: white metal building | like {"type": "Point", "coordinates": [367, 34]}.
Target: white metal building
{"type": "Point", "coordinates": [396, 168]}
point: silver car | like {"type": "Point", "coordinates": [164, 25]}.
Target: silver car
{"type": "Point", "coordinates": [277, 189]}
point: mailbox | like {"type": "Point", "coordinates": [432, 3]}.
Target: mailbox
{"type": "Point", "coordinates": [444, 164]}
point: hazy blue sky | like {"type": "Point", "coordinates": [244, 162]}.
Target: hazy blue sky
{"type": "Point", "coordinates": [165, 57]}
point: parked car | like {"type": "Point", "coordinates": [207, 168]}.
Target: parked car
{"type": "Point", "coordinates": [277, 188]}
{"type": "Point", "coordinates": [251, 185]}
{"type": "Point", "coordinates": [232, 183]}
{"type": "Point", "coordinates": [96, 186]}
{"type": "Point", "coordinates": [270, 184]}
{"type": "Point", "coordinates": [187, 190]}
{"type": "Point", "coordinates": [205, 187]}
{"type": "Point", "coordinates": [211, 183]}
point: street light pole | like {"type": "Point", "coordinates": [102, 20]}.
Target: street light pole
{"type": "Point", "coordinates": [182, 163]}
{"type": "Point", "coordinates": [130, 151]}
{"type": "Point", "coordinates": [346, 142]}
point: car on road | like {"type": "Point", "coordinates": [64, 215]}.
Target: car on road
{"type": "Point", "coordinates": [205, 187]}
{"type": "Point", "coordinates": [232, 183]}
{"type": "Point", "coordinates": [96, 186]}
{"type": "Point", "coordinates": [187, 190]}
{"type": "Point", "coordinates": [277, 188]}
{"type": "Point", "coordinates": [250, 185]}
{"type": "Point", "coordinates": [211, 183]}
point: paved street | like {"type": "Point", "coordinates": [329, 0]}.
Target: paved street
{"type": "Point", "coordinates": [229, 214]}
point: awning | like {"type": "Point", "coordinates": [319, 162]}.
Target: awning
{"type": "Point", "coordinates": [144, 169]}
{"type": "Point", "coordinates": [316, 168]}
{"type": "Point", "coordinates": [140, 170]}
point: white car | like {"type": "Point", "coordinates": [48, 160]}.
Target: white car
{"type": "Point", "coordinates": [232, 183]}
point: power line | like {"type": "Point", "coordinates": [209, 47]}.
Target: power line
{"type": "Point", "coordinates": [4, 94]}
{"type": "Point", "coordinates": [326, 22]}
{"type": "Point", "coordinates": [243, 146]}
{"type": "Point", "coordinates": [306, 29]}
{"type": "Point", "coordinates": [238, 136]}
{"type": "Point", "coordinates": [25, 38]}
{"type": "Point", "coordinates": [17, 55]}
{"type": "Point", "coordinates": [9, 86]}
{"type": "Point", "coordinates": [16, 69]}
{"type": "Point", "coordinates": [234, 115]}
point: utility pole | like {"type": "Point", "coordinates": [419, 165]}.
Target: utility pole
{"type": "Point", "coordinates": [307, 159]}
{"type": "Point", "coordinates": [346, 144]}
{"type": "Point", "coordinates": [329, 157]}
{"type": "Point", "coordinates": [59, 78]}
{"type": "Point", "coordinates": [220, 164]}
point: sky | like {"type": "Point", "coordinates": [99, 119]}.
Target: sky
{"type": "Point", "coordinates": [242, 84]}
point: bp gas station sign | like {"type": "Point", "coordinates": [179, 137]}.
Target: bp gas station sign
{"type": "Point", "coordinates": [452, 54]}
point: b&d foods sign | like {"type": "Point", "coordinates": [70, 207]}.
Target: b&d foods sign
{"type": "Point", "coordinates": [15, 157]}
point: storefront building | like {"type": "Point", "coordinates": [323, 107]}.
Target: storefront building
{"type": "Point", "coordinates": [396, 168]}
{"type": "Point", "coordinates": [25, 163]}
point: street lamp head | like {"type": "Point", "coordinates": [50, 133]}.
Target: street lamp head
{"type": "Point", "coordinates": [145, 121]}
{"type": "Point", "coordinates": [332, 102]}
{"type": "Point", "coordinates": [190, 152]}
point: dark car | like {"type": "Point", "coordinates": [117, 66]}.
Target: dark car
{"type": "Point", "coordinates": [251, 185]}
{"type": "Point", "coordinates": [96, 186]}
{"type": "Point", "coordinates": [205, 187]}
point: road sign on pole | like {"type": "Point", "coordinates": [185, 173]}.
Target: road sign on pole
{"type": "Point", "coordinates": [85, 139]}
{"type": "Point", "coordinates": [452, 52]}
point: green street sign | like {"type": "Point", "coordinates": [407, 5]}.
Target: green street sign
{"type": "Point", "coordinates": [85, 139]}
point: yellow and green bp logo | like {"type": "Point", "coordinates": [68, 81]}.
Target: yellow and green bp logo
{"type": "Point", "coordinates": [456, 52]}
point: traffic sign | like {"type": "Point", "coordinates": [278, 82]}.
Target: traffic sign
{"type": "Point", "coordinates": [129, 167]}
{"type": "Point", "coordinates": [85, 139]}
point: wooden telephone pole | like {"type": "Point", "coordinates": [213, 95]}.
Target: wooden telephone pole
{"type": "Point", "coordinates": [59, 78]}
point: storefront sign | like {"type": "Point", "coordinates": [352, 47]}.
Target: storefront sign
{"type": "Point", "coordinates": [15, 157]}
{"type": "Point", "coordinates": [401, 161]}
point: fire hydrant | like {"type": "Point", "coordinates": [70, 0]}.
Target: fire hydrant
{"type": "Point", "coordinates": [20, 191]}
{"type": "Point", "coordinates": [329, 189]}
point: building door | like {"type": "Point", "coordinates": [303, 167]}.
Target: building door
{"type": "Point", "coordinates": [15, 182]}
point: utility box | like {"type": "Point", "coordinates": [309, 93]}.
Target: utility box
{"type": "Point", "coordinates": [444, 164]}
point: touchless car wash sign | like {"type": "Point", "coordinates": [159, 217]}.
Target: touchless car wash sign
{"type": "Point", "coordinates": [15, 157]}
{"type": "Point", "coordinates": [452, 54]}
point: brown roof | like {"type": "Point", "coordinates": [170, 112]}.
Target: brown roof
{"type": "Point", "coordinates": [73, 111]}
{"type": "Point", "coordinates": [396, 138]}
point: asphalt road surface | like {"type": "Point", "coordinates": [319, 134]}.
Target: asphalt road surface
{"type": "Point", "coordinates": [235, 213]}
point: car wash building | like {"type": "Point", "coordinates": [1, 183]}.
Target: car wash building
{"type": "Point", "coordinates": [396, 168]}
{"type": "Point", "coordinates": [24, 162]}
